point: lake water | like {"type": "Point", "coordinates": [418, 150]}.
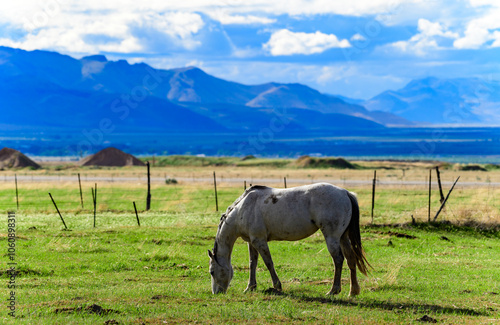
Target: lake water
{"type": "Point", "coordinates": [451, 144]}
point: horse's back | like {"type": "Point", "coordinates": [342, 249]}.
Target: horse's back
{"type": "Point", "coordinates": [294, 213]}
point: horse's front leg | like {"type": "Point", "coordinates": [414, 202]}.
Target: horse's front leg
{"type": "Point", "coordinates": [263, 249]}
{"type": "Point", "coordinates": [254, 257]}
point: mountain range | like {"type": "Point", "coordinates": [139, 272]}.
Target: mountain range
{"type": "Point", "coordinates": [50, 91]}
{"type": "Point", "coordinates": [459, 101]}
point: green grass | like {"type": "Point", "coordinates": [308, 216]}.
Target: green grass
{"type": "Point", "coordinates": [195, 161]}
{"type": "Point", "coordinates": [158, 273]}
{"type": "Point", "coordinates": [118, 198]}
{"type": "Point", "coordinates": [178, 161]}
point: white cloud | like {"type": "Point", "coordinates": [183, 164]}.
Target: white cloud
{"type": "Point", "coordinates": [257, 11]}
{"type": "Point", "coordinates": [180, 27]}
{"type": "Point", "coordinates": [38, 12]}
{"type": "Point", "coordinates": [226, 18]}
{"type": "Point", "coordinates": [429, 29]}
{"type": "Point", "coordinates": [427, 38]}
{"type": "Point", "coordinates": [311, 7]}
{"type": "Point", "coordinates": [474, 38]}
{"type": "Point", "coordinates": [481, 30]}
{"type": "Point", "coordinates": [496, 37]}
{"type": "Point", "coordinates": [479, 3]}
{"type": "Point", "coordinates": [328, 74]}
{"type": "Point", "coordinates": [155, 27]}
{"type": "Point", "coordinates": [68, 30]}
{"type": "Point", "coordinates": [276, 7]}
{"type": "Point", "coordinates": [178, 24]}
{"type": "Point", "coordinates": [286, 42]}
{"type": "Point", "coordinates": [357, 37]}
{"type": "Point", "coordinates": [65, 25]}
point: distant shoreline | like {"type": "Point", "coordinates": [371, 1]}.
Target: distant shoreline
{"type": "Point", "coordinates": [456, 145]}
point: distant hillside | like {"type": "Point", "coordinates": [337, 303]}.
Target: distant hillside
{"type": "Point", "coordinates": [47, 90]}
{"type": "Point", "coordinates": [192, 85]}
{"type": "Point", "coordinates": [246, 118]}
{"type": "Point", "coordinates": [43, 89]}
{"type": "Point", "coordinates": [443, 101]}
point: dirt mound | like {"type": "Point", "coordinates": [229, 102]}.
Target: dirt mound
{"type": "Point", "coordinates": [248, 157]}
{"type": "Point", "coordinates": [11, 158]}
{"type": "Point", "coordinates": [310, 162]}
{"type": "Point", "coordinates": [92, 309]}
{"type": "Point", "coordinates": [111, 157]}
{"type": "Point", "coordinates": [472, 167]}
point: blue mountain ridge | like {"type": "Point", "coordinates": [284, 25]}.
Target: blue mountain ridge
{"type": "Point", "coordinates": [459, 101]}
{"type": "Point", "coordinates": [42, 89]}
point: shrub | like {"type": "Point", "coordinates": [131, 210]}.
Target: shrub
{"type": "Point", "coordinates": [169, 181]}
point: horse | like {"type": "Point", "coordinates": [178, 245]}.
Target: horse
{"type": "Point", "coordinates": [262, 214]}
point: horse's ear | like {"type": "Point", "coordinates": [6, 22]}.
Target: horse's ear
{"type": "Point", "coordinates": [210, 254]}
{"type": "Point", "coordinates": [215, 248]}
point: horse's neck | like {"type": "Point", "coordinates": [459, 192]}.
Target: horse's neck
{"type": "Point", "coordinates": [226, 236]}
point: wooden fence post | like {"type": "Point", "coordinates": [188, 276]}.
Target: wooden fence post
{"type": "Point", "coordinates": [64, 223]}
{"type": "Point", "coordinates": [94, 200]}
{"type": "Point", "coordinates": [17, 192]}
{"type": "Point", "coordinates": [446, 199]}
{"type": "Point", "coordinates": [93, 203]}
{"type": "Point", "coordinates": [244, 185]}
{"type": "Point", "coordinates": [373, 191]}
{"type": "Point", "coordinates": [430, 189]}
{"type": "Point", "coordinates": [216, 200]}
{"type": "Point", "coordinates": [136, 215]}
{"type": "Point", "coordinates": [148, 198]}
{"type": "Point", "coordinates": [439, 184]}
{"type": "Point", "coordinates": [80, 185]}
{"type": "Point", "coordinates": [284, 180]}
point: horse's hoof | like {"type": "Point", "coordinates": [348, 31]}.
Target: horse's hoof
{"type": "Point", "coordinates": [353, 294]}
{"type": "Point", "coordinates": [250, 288]}
{"type": "Point", "coordinates": [355, 290]}
{"type": "Point", "coordinates": [334, 291]}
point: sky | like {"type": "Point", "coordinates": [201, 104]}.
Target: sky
{"type": "Point", "coordinates": [355, 48]}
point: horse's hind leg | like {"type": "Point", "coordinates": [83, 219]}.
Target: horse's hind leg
{"type": "Point", "coordinates": [333, 245]}
{"type": "Point", "coordinates": [351, 262]}
{"type": "Point", "coordinates": [263, 249]}
{"type": "Point", "coordinates": [254, 257]}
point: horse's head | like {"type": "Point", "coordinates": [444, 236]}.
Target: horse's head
{"type": "Point", "coordinates": [220, 271]}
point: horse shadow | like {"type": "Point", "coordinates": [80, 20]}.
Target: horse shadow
{"type": "Point", "coordinates": [383, 305]}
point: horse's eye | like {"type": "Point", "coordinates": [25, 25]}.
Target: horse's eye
{"type": "Point", "coordinates": [212, 273]}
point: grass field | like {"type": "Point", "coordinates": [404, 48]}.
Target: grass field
{"type": "Point", "coordinates": [158, 273]}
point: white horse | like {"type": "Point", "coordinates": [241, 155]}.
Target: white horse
{"type": "Point", "coordinates": [262, 214]}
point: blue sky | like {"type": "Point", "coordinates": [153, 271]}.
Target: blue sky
{"type": "Point", "coordinates": [354, 48]}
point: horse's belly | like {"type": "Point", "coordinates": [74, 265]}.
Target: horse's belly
{"type": "Point", "coordinates": [292, 232]}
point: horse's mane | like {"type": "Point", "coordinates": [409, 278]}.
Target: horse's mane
{"type": "Point", "coordinates": [238, 200]}
{"type": "Point", "coordinates": [235, 203]}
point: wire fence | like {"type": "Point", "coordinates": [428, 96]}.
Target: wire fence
{"type": "Point", "coordinates": [393, 201]}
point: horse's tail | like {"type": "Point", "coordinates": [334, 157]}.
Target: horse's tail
{"type": "Point", "coordinates": [355, 236]}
